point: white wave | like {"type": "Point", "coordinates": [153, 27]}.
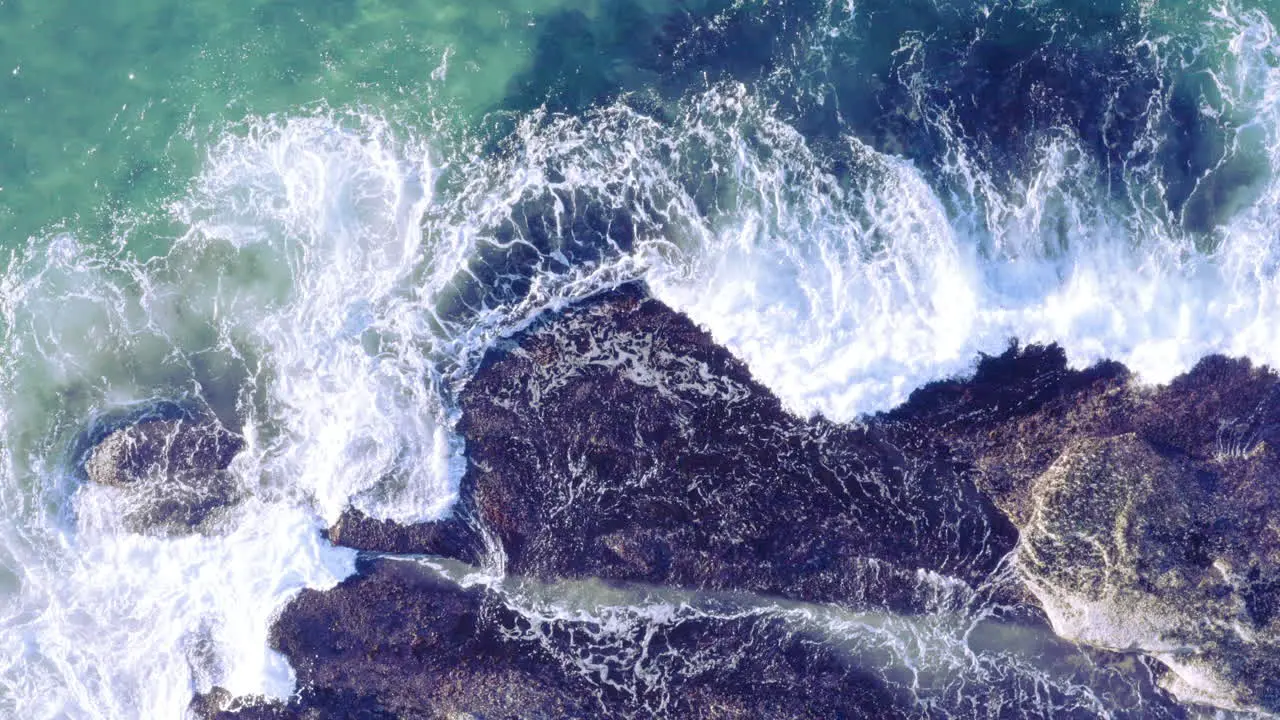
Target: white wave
{"type": "Point", "coordinates": [840, 296]}
{"type": "Point", "coordinates": [122, 625]}
{"type": "Point", "coordinates": [844, 293]}
{"type": "Point", "coordinates": [843, 299]}
{"type": "Point", "coordinates": [257, 312]}
{"type": "Point", "coordinates": [338, 201]}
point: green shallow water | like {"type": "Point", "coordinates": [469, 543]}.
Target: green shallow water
{"type": "Point", "coordinates": [105, 107]}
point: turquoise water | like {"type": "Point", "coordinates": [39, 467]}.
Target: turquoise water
{"type": "Point", "coordinates": [312, 219]}
{"type": "Point", "coordinates": [107, 108]}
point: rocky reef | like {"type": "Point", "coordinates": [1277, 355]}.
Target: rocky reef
{"type": "Point", "coordinates": [646, 532]}
{"type": "Point", "coordinates": [442, 649]}
{"type": "Point", "coordinates": [658, 459]}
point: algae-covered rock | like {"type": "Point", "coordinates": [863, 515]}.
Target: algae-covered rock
{"type": "Point", "coordinates": [399, 641]}
{"type": "Point", "coordinates": [1130, 548]}
{"type": "Point", "coordinates": [615, 441]}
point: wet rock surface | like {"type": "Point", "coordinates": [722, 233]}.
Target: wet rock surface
{"type": "Point", "coordinates": [455, 538]}
{"type": "Point", "coordinates": [615, 442]}
{"type": "Point", "coordinates": [618, 441]}
{"type": "Point", "coordinates": [171, 472]}
{"type": "Point", "coordinates": [399, 641]}
{"type": "Point", "coordinates": [1126, 547]}
{"type": "Point", "coordinates": [1148, 515]}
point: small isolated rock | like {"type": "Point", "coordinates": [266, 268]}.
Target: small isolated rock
{"type": "Point", "coordinates": [451, 537]}
{"type": "Point", "coordinates": [173, 472]}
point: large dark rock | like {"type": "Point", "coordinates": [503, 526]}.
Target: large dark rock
{"type": "Point", "coordinates": [398, 641]}
{"type": "Point", "coordinates": [617, 441]}
{"type": "Point", "coordinates": [171, 472]}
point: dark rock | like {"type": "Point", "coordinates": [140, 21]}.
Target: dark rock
{"type": "Point", "coordinates": [398, 641]}
{"type": "Point", "coordinates": [1013, 418]}
{"type": "Point", "coordinates": [615, 441]}
{"type": "Point", "coordinates": [208, 705]}
{"type": "Point", "coordinates": [454, 537]}
{"type": "Point", "coordinates": [172, 448]}
{"type": "Point", "coordinates": [618, 441]}
{"type": "Point", "coordinates": [172, 472]}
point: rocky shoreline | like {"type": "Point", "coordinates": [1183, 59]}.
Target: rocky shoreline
{"type": "Point", "coordinates": [731, 560]}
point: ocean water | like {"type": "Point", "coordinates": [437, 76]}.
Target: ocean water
{"type": "Point", "coordinates": [311, 220]}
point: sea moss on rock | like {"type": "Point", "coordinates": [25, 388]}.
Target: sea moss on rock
{"type": "Point", "coordinates": [615, 442]}
{"type": "Point", "coordinates": [1148, 515]}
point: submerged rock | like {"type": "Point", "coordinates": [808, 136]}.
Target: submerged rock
{"type": "Point", "coordinates": [172, 473]}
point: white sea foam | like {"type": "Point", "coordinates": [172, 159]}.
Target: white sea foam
{"type": "Point", "coordinates": [123, 625]}
{"type": "Point", "coordinates": [845, 292]}
{"type": "Point", "coordinates": [338, 201]}
{"type": "Point", "coordinates": [840, 298]}
{"type": "Point", "coordinates": [843, 300]}
{"type": "Point", "coordinates": [297, 234]}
